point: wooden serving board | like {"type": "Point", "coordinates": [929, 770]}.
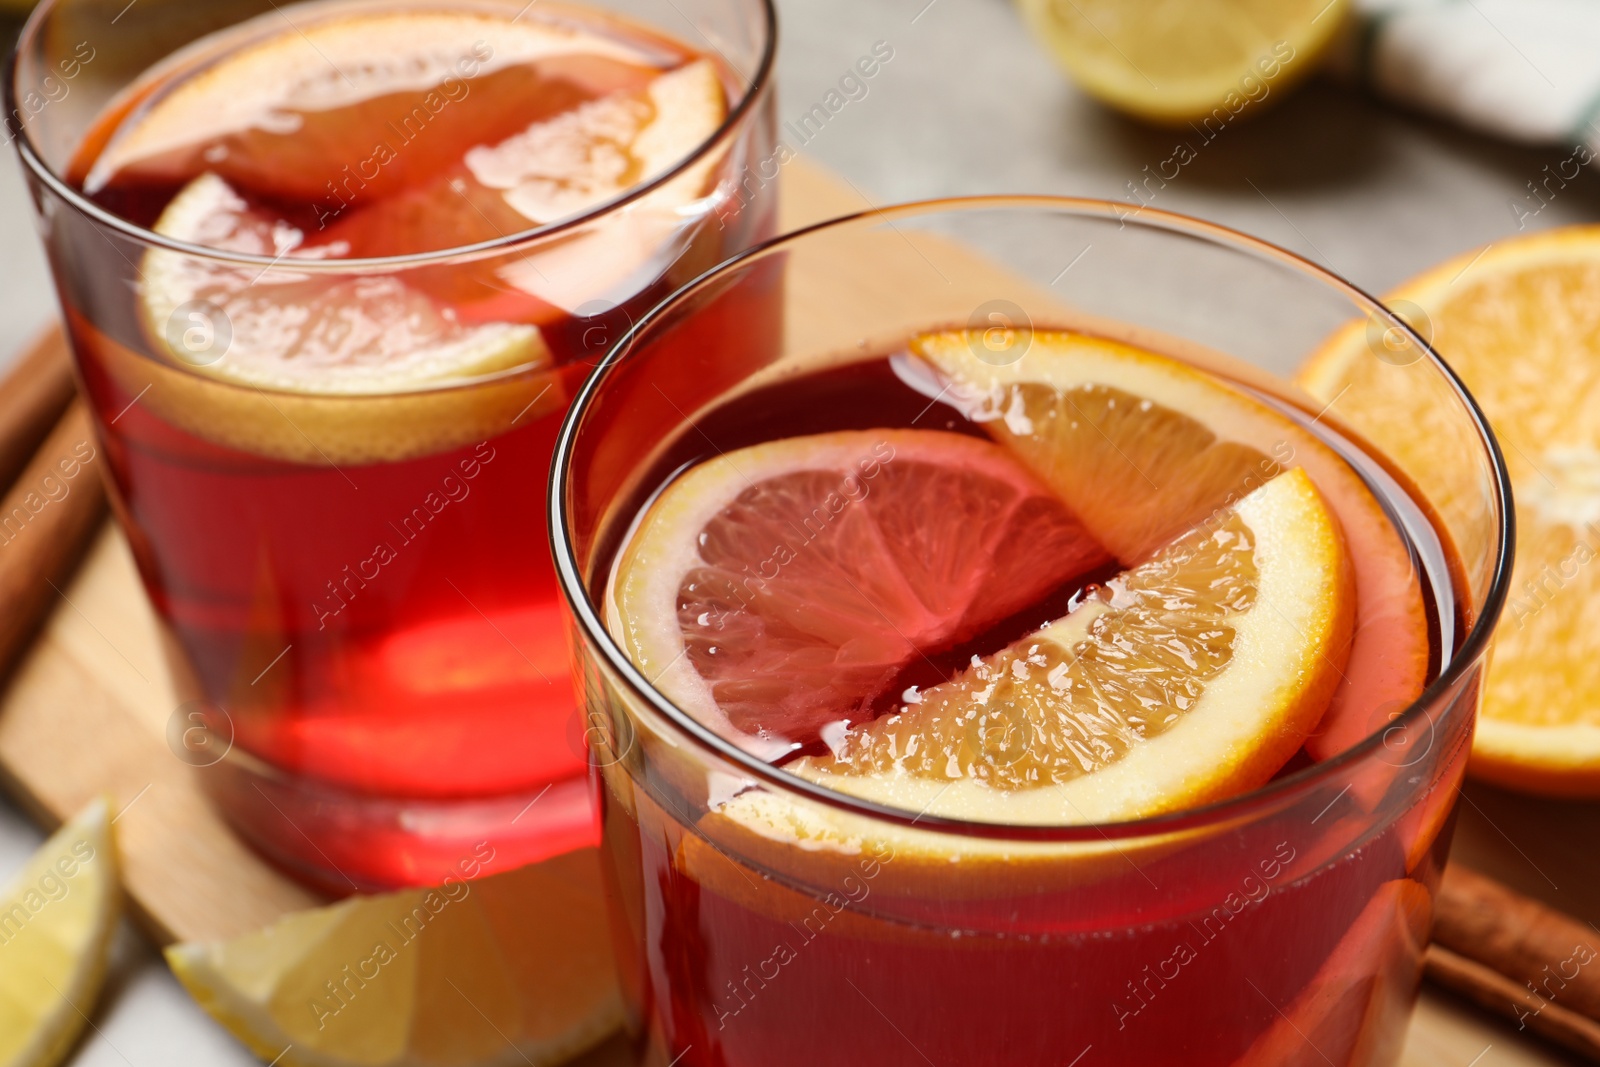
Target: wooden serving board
{"type": "Point", "coordinates": [87, 712]}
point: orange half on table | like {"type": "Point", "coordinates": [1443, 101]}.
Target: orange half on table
{"type": "Point", "coordinates": [1520, 323]}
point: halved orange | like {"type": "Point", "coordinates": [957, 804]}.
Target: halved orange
{"type": "Point", "coordinates": [1520, 324]}
{"type": "Point", "coordinates": [776, 591]}
{"type": "Point", "coordinates": [1143, 446]}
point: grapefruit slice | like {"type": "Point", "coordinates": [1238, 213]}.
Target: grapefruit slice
{"type": "Point", "coordinates": [1191, 677]}
{"type": "Point", "coordinates": [507, 969]}
{"type": "Point", "coordinates": [283, 108]}
{"type": "Point", "coordinates": [1519, 323]}
{"type": "Point", "coordinates": [60, 913]}
{"type": "Point", "coordinates": [1142, 447]}
{"type": "Point", "coordinates": [554, 169]}
{"type": "Point", "coordinates": [776, 592]}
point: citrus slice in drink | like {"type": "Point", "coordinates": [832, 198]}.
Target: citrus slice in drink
{"type": "Point", "coordinates": [778, 592]}
{"type": "Point", "coordinates": [303, 331]}
{"type": "Point", "coordinates": [551, 169]}
{"type": "Point", "coordinates": [1193, 676]}
{"type": "Point", "coordinates": [59, 915]}
{"type": "Point", "coordinates": [510, 968]}
{"type": "Point", "coordinates": [1203, 61]}
{"type": "Point", "coordinates": [1142, 447]}
{"type": "Point", "coordinates": [298, 109]}
{"type": "Point", "coordinates": [1517, 321]}
{"type": "Point", "coordinates": [316, 368]}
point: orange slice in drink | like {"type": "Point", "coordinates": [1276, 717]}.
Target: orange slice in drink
{"type": "Point", "coordinates": [401, 132]}
{"type": "Point", "coordinates": [1519, 323]}
{"type": "Point", "coordinates": [777, 592]}
{"type": "Point", "coordinates": [1142, 446]}
{"type": "Point", "coordinates": [1193, 676]}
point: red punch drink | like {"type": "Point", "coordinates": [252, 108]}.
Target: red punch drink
{"type": "Point", "coordinates": [329, 382]}
{"type": "Point", "coordinates": [1010, 686]}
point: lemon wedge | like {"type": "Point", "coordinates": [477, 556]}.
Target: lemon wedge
{"type": "Point", "coordinates": [56, 922]}
{"type": "Point", "coordinates": [514, 968]}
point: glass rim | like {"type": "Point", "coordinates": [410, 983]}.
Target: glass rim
{"type": "Point", "coordinates": [731, 124]}
{"type": "Point", "coordinates": [1470, 652]}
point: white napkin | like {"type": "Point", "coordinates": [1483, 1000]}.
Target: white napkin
{"type": "Point", "coordinates": [1525, 70]}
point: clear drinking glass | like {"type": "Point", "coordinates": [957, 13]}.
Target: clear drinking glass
{"type": "Point", "coordinates": [361, 616]}
{"type": "Point", "coordinates": [1284, 926]}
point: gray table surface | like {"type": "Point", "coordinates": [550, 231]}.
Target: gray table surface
{"type": "Point", "coordinates": [969, 104]}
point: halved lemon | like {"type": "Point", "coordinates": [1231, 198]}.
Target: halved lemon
{"type": "Point", "coordinates": [1194, 676]}
{"type": "Point", "coordinates": [1142, 447]}
{"type": "Point", "coordinates": [1174, 61]}
{"type": "Point", "coordinates": [777, 592]}
{"type": "Point", "coordinates": [56, 921]}
{"type": "Point", "coordinates": [512, 968]}
{"type": "Point", "coordinates": [1520, 324]}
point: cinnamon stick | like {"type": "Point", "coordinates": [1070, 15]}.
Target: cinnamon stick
{"type": "Point", "coordinates": [1495, 992]}
{"type": "Point", "coordinates": [46, 521]}
{"type": "Point", "coordinates": [1519, 958]}
{"type": "Point", "coordinates": [33, 394]}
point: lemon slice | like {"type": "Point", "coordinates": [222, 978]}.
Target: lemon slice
{"type": "Point", "coordinates": [1174, 61]}
{"type": "Point", "coordinates": [56, 922]}
{"type": "Point", "coordinates": [513, 968]}
{"type": "Point", "coordinates": [1194, 676]}
{"type": "Point", "coordinates": [304, 332]}
{"type": "Point", "coordinates": [1142, 446]}
{"type": "Point", "coordinates": [316, 369]}
{"type": "Point", "coordinates": [1518, 322]}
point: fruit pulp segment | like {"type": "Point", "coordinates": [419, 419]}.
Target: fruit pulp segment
{"type": "Point", "coordinates": [354, 580]}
